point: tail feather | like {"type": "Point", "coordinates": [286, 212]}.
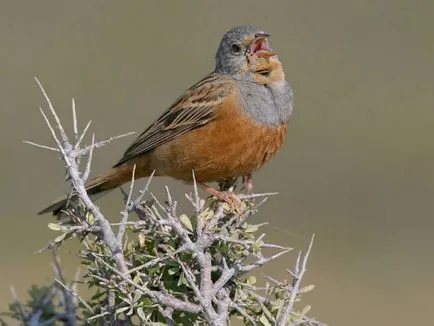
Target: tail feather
{"type": "Point", "coordinates": [96, 188]}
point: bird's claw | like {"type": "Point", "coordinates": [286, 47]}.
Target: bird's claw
{"type": "Point", "coordinates": [231, 199]}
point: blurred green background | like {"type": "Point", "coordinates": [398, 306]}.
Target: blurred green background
{"type": "Point", "coordinates": [357, 167]}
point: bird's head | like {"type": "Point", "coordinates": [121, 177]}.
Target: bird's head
{"type": "Point", "coordinates": [245, 53]}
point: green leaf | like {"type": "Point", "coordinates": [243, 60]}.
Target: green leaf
{"type": "Point", "coordinates": [141, 314]}
{"type": "Point", "coordinates": [173, 270]}
{"type": "Point", "coordinates": [251, 280]}
{"type": "Point", "coordinates": [185, 220]}
{"type": "Point", "coordinates": [147, 302]}
{"type": "Point", "coordinates": [126, 299]}
{"type": "Point", "coordinates": [305, 310]}
{"type": "Point", "coordinates": [90, 219]}
{"type": "Point", "coordinates": [182, 280]}
{"type": "Point", "coordinates": [60, 238]}
{"type": "Point", "coordinates": [137, 279]}
{"type": "Point", "coordinates": [251, 229]}
{"type": "Point", "coordinates": [263, 319]}
{"type": "Point", "coordinates": [121, 310]}
{"type": "Point", "coordinates": [137, 296]}
{"type": "Point", "coordinates": [266, 311]}
{"type": "Point", "coordinates": [307, 288]}
{"type": "Point", "coordinates": [54, 226]}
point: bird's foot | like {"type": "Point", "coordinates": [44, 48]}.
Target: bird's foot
{"type": "Point", "coordinates": [228, 197]}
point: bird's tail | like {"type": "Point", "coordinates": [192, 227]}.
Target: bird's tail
{"type": "Point", "coordinates": [96, 188]}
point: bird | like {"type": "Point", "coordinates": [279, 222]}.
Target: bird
{"type": "Point", "coordinates": [226, 126]}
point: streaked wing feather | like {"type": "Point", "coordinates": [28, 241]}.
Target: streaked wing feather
{"type": "Point", "coordinates": [192, 110]}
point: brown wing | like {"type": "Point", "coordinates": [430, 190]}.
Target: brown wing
{"type": "Point", "coordinates": [192, 110]}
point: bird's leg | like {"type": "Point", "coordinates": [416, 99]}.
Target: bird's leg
{"type": "Point", "coordinates": [248, 182]}
{"type": "Point", "coordinates": [226, 196]}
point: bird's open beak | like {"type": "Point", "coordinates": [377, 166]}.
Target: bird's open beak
{"type": "Point", "coordinates": [260, 46]}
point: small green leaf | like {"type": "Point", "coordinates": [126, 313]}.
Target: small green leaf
{"type": "Point", "coordinates": [305, 310]}
{"type": "Point", "coordinates": [90, 219]}
{"type": "Point", "coordinates": [60, 238]}
{"type": "Point", "coordinates": [263, 319]}
{"type": "Point", "coordinates": [137, 279]}
{"type": "Point", "coordinates": [185, 220]}
{"type": "Point", "coordinates": [120, 310]}
{"type": "Point", "coordinates": [137, 296]}
{"type": "Point", "coordinates": [182, 280]}
{"type": "Point", "coordinates": [307, 288]}
{"type": "Point", "coordinates": [147, 302]}
{"type": "Point", "coordinates": [173, 271]}
{"type": "Point", "coordinates": [251, 280]}
{"type": "Point", "coordinates": [142, 240]}
{"type": "Point", "coordinates": [251, 229]}
{"type": "Point", "coordinates": [54, 226]}
{"type": "Point", "coordinates": [266, 312]}
{"type": "Point", "coordinates": [127, 300]}
{"type": "Point", "coordinates": [141, 314]}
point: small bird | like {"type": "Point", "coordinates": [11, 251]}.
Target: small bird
{"type": "Point", "coordinates": [225, 126]}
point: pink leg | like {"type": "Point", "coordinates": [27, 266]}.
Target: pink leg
{"type": "Point", "coordinates": [248, 182]}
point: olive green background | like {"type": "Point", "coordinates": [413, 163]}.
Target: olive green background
{"type": "Point", "coordinates": [357, 168]}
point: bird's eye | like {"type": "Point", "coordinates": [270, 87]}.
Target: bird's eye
{"type": "Point", "coordinates": [236, 48]}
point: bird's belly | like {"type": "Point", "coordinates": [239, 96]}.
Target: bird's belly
{"type": "Point", "coordinates": [232, 145]}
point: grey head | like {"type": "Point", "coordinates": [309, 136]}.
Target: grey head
{"type": "Point", "coordinates": [269, 103]}
{"type": "Point", "coordinates": [234, 48]}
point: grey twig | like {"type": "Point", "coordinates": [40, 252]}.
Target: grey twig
{"type": "Point", "coordinates": [251, 196]}
{"type": "Point", "coordinates": [126, 211]}
{"type": "Point", "coordinates": [74, 120]}
{"type": "Point", "coordinates": [298, 274]}
{"type": "Point", "coordinates": [262, 261]}
{"type": "Point", "coordinates": [70, 154]}
{"type": "Point", "coordinates": [89, 160]}
{"type": "Point", "coordinates": [81, 137]}
{"type": "Point", "coordinates": [243, 313]}
{"type": "Point", "coordinates": [18, 302]}
{"type": "Point", "coordinates": [67, 297]}
{"type": "Point", "coordinates": [41, 146]}
{"type": "Point", "coordinates": [74, 294]}
{"type": "Point", "coordinates": [99, 144]}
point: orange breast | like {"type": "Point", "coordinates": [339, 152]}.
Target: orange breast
{"type": "Point", "coordinates": [232, 145]}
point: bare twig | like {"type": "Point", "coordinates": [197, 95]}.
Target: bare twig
{"type": "Point", "coordinates": [74, 120]}
{"type": "Point", "coordinates": [89, 160]}
{"type": "Point", "coordinates": [41, 146]}
{"type": "Point", "coordinates": [262, 261]}
{"type": "Point", "coordinates": [20, 306]}
{"type": "Point", "coordinates": [74, 294]}
{"type": "Point", "coordinates": [126, 211]}
{"type": "Point", "coordinates": [69, 154]}
{"type": "Point", "coordinates": [251, 196]}
{"type": "Point", "coordinates": [99, 144]}
{"type": "Point", "coordinates": [67, 297]}
{"type": "Point", "coordinates": [243, 313]}
{"type": "Point", "coordinates": [298, 274]}
{"type": "Point", "coordinates": [81, 137]}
